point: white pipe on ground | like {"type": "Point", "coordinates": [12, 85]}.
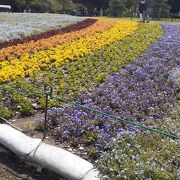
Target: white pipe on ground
{"type": "Point", "coordinates": [50, 157]}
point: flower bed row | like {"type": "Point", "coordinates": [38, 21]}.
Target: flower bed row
{"type": "Point", "coordinates": [20, 25]}
{"type": "Point", "coordinates": [55, 57]}
{"type": "Point", "coordinates": [81, 76]}
{"type": "Point", "coordinates": [140, 156]}
{"type": "Point", "coordinates": [77, 77]}
{"type": "Point", "coordinates": [66, 35]}
{"type": "Point", "coordinates": [145, 90]}
{"type": "Point", "coordinates": [93, 70]}
{"type": "Point", "coordinates": [35, 37]}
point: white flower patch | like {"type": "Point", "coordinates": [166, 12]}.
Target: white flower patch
{"type": "Point", "coordinates": [175, 76]}
{"type": "Point", "coordinates": [20, 25]}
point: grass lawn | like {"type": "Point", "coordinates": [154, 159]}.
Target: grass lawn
{"type": "Point", "coordinates": [138, 19]}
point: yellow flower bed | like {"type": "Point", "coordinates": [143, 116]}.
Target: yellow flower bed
{"type": "Point", "coordinates": [16, 51]}
{"type": "Point", "coordinates": [62, 54]}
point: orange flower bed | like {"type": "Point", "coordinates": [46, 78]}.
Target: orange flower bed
{"type": "Point", "coordinates": [73, 27]}
{"type": "Point", "coordinates": [43, 44]}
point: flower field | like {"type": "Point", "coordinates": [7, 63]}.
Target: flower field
{"type": "Point", "coordinates": [18, 26]}
{"type": "Point", "coordinates": [128, 69]}
{"type": "Point", "coordinates": [56, 56]}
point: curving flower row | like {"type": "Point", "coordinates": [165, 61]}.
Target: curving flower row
{"type": "Point", "coordinates": [61, 54]}
{"type": "Point", "coordinates": [144, 90]}
{"type": "Point", "coordinates": [21, 25]}
{"type": "Point", "coordinates": [18, 50]}
{"type": "Point", "coordinates": [34, 37]}
{"type": "Point", "coordinates": [78, 76]}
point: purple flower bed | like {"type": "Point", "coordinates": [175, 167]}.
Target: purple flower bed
{"type": "Point", "coordinates": [142, 91]}
{"type": "Point", "coordinates": [79, 127]}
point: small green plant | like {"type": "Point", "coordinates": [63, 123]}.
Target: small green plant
{"type": "Point", "coordinates": [93, 153]}
{"type": "Point", "coordinates": [26, 108]}
{"type": "Point", "coordinates": [5, 112]}
{"type": "Point", "coordinates": [22, 104]}
{"type": "Point", "coordinates": [176, 113]}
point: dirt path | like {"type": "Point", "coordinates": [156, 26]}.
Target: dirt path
{"type": "Point", "coordinates": [11, 168]}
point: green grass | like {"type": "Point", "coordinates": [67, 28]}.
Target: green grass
{"type": "Point", "coordinates": [137, 19]}
{"type": "Point", "coordinates": [2, 18]}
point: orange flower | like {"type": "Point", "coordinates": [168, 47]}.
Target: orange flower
{"type": "Point", "coordinates": [44, 44]}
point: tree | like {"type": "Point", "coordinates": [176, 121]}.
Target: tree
{"type": "Point", "coordinates": [65, 5]}
{"type": "Point", "coordinates": [92, 4]}
{"type": "Point", "coordinates": [21, 4]}
{"type": "Point", "coordinates": [160, 8]}
{"type": "Point", "coordinates": [117, 7]}
{"type": "Point", "coordinates": [175, 6]}
{"type": "Point", "coordinates": [132, 7]}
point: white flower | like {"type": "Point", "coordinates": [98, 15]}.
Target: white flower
{"type": "Point", "coordinates": [122, 171]}
{"type": "Point", "coordinates": [19, 25]}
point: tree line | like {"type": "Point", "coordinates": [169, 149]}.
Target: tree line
{"type": "Point", "coordinates": [116, 8]}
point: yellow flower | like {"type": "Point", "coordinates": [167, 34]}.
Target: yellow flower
{"type": "Point", "coordinates": [64, 53]}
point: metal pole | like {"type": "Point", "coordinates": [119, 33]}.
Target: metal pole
{"type": "Point", "coordinates": [46, 87]}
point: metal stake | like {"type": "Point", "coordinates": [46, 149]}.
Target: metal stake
{"type": "Point", "coordinates": [46, 88]}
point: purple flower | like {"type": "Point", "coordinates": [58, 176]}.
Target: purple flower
{"type": "Point", "coordinates": [141, 91]}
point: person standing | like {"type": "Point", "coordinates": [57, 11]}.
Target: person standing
{"type": "Point", "coordinates": [140, 6]}
{"type": "Point", "coordinates": [146, 12]}
{"type": "Point", "coordinates": [143, 11]}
